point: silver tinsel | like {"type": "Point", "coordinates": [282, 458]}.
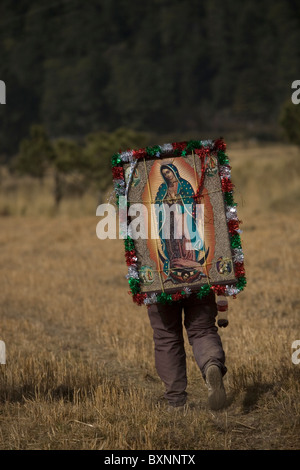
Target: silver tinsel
{"type": "Point", "coordinates": [187, 290]}
{"type": "Point", "coordinates": [130, 232]}
{"type": "Point", "coordinates": [127, 156]}
{"type": "Point", "coordinates": [119, 191]}
{"type": "Point", "coordinates": [119, 187]}
{"type": "Point", "coordinates": [120, 182]}
{"type": "Point", "coordinates": [238, 255]}
{"type": "Point", "coordinates": [231, 212]}
{"type": "Point", "coordinates": [151, 299]}
{"type": "Point", "coordinates": [132, 272]}
{"type": "Point", "coordinates": [207, 143]}
{"type": "Point", "coordinates": [225, 171]}
{"type": "Point", "coordinates": [231, 290]}
{"type": "Point", "coordinates": [166, 148]}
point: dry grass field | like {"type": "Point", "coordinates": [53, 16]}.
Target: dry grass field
{"type": "Point", "coordinates": [80, 368]}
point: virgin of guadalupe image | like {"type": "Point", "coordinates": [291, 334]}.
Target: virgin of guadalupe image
{"type": "Point", "coordinates": [183, 256]}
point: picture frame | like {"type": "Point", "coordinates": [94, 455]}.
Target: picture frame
{"type": "Point", "coordinates": [179, 221]}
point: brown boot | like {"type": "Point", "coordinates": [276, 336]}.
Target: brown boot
{"type": "Point", "coordinates": [216, 390]}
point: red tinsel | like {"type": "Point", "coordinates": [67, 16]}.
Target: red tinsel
{"type": "Point", "coordinates": [220, 145]}
{"type": "Point", "coordinates": [130, 255]}
{"type": "Point", "coordinates": [233, 226]}
{"type": "Point", "coordinates": [177, 296]}
{"type": "Point", "coordinates": [227, 185]}
{"type": "Point", "coordinates": [139, 298]}
{"type": "Point", "coordinates": [179, 145]}
{"type": "Point", "coordinates": [203, 152]}
{"type": "Point", "coordinates": [138, 154]}
{"type": "Point", "coordinates": [239, 269]}
{"type": "Point", "coordinates": [118, 172]}
{"type": "Point", "coordinates": [219, 290]}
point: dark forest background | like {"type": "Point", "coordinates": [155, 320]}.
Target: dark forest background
{"type": "Point", "coordinates": [199, 67]}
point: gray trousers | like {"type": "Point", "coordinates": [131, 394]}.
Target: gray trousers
{"type": "Point", "coordinates": [170, 358]}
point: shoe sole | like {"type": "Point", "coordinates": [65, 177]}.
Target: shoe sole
{"type": "Point", "coordinates": [217, 394]}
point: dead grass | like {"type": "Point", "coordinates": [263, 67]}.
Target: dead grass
{"type": "Point", "coordinates": [80, 365]}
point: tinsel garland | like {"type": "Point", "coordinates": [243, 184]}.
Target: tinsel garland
{"type": "Point", "coordinates": [118, 173]}
{"type": "Point", "coordinates": [205, 148]}
{"type": "Point", "coordinates": [204, 291]}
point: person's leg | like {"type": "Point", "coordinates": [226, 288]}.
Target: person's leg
{"type": "Point", "coordinates": [170, 358]}
{"type": "Point", "coordinates": [200, 318]}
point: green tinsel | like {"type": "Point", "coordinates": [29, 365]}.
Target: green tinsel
{"type": "Point", "coordinates": [229, 198]}
{"type": "Point", "coordinates": [222, 157]}
{"type": "Point", "coordinates": [193, 144]}
{"type": "Point", "coordinates": [204, 290]}
{"type": "Point", "coordinates": [129, 244]}
{"type": "Point", "coordinates": [115, 159]}
{"type": "Point", "coordinates": [177, 152]}
{"type": "Point", "coordinates": [241, 283]}
{"type": "Point", "coordinates": [152, 151]}
{"type": "Point", "coordinates": [235, 241]}
{"type": "Point", "coordinates": [164, 298]}
{"type": "Point", "coordinates": [134, 285]}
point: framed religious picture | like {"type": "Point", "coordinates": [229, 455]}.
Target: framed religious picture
{"type": "Point", "coordinates": [179, 221]}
